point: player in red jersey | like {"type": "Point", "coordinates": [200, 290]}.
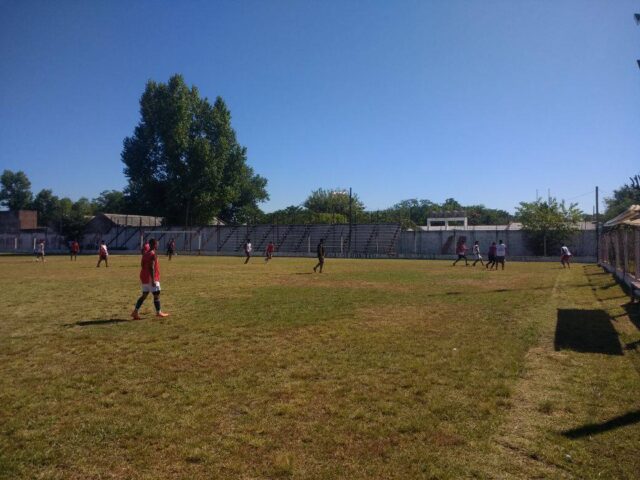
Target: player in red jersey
{"type": "Point", "coordinates": [150, 280]}
{"type": "Point", "coordinates": [75, 248]}
{"type": "Point", "coordinates": [268, 254]}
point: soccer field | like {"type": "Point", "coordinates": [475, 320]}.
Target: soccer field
{"type": "Point", "coordinates": [375, 369]}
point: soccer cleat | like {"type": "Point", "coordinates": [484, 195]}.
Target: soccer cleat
{"type": "Point", "coordinates": [162, 314]}
{"type": "Point", "coordinates": [135, 315]}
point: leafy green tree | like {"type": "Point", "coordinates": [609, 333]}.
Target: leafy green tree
{"type": "Point", "coordinates": [451, 204]}
{"type": "Point", "coordinates": [333, 202]}
{"type": "Point", "coordinates": [83, 208]}
{"type": "Point", "coordinates": [46, 204]}
{"type": "Point", "coordinates": [110, 201]}
{"type": "Point", "coordinates": [299, 215]}
{"type": "Point", "coordinates": [623, 198]}
{"type": "Point", "coordinates": [481, 215]}
{"type": "Point", "coordinates": [71, 217]}
{"type": "Point", "coordinates": [183, 161]}
{"type": "Point", "coordinates": [15, 190]}
{"type": "Point", "coordinates": [65, 207]}
{"type": "Point", "coordinates": [548, 223]}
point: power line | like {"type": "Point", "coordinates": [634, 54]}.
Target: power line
{"type": "Point", "coordinates": [590, 192]}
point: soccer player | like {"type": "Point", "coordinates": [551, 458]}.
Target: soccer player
{"type": "Point", "coordinates": [171, 248]}
{"type": "Point", "coordinates": [476, 252]}
{"type": "Point", "coordinates": [40, 251]}
{"type": "Point", "coordinates": [501, 253]}
{"type": "Point", "coordinates": [565, 256]}
{"type": "Point", "coordinates": [492, 257]}
{"type": "Point", "coordinates": [150, 281]}
{"type": "Point", "coordinates": [247, 250]}
{"type": "Point", "coordinates": [75, 248]}
{"type": "Point", "coordinates": [103, 254]}
{"type": "Point", "coordinates": [268, 254]}
{"type": "Point", "coordinates": [461, 250]}
{"type": "Point", "coordinates": [321, 252]}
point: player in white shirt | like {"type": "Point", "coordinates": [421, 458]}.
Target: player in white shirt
{"type": "Point", "coordinates": [247, 250]}
{"type": "Point", "coordinates": [476, 252]}
{"type": "Point", "coordinates": [565, 256]}
{"type": "Point", "coordinates": [501, 252]}
{"type": "Point", "coordinates": [103, 254]}
{"type": "Point", "coordinates": [40, 251]}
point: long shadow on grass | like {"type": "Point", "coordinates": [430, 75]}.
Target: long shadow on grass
{"type": "Point", "coordinates": [633, 311]}
{"type": "Point", "coordinates": [594, 428]}
{"type": "Point", "coordinates": [586, 331]}
{"type": "Point", "coordinates": [86, 323]}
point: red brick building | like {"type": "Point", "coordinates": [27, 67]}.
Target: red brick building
{"type": "Point", "coordinates": [18, 221]}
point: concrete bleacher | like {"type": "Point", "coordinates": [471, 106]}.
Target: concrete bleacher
{"type": "Point", "coordinates": [340, 239]}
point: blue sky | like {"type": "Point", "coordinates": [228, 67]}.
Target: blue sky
{"type": "Point", "coordinates": [484, 101]}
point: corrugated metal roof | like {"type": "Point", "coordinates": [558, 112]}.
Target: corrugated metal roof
{"type": "Point", "coordinates": [631, 216]}
{"type": "Point", "coordinates": [132, 220]}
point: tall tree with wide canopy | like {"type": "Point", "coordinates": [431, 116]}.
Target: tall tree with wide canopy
{"type": "Point", "coordinates": [15, 190]}
{"type": "Point", "coordinates": [183, 161]}
{"type": "Point", "coordinates": [547, 223]}
{"type": "Point", "coordinates": [46, 204]}
{"type": "Point", "coordinates": [110, 201]}
{"type": "Point", "coordinates": [333, 202]}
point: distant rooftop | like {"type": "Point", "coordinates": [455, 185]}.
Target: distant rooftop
{"type": "Point", "coordinates": [132, 220]}
{"type": "Point", "coordinates": [510, 226]}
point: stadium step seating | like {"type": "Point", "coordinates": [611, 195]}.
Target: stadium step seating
{"type": "Point", "coordinates": [339, 239]}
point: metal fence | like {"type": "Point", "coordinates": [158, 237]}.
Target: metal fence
{"type": "Point", "coordinates": [619, 249]}
{"type": "Point", "coordinates": [620, 252]}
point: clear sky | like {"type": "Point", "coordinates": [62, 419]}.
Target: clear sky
{"type": "Point", "coordinates": [484, 101]}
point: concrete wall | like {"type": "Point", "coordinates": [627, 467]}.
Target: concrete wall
{"type": "Point", "coordinates": [24, 242]}
{"type": "Point", "coordinates": [443, 242]}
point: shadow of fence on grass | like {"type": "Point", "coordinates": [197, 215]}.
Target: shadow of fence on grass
{"type": "Point", "coordinates": [594, 428]}
{"type": "Point", "coordinates": [586, 331]}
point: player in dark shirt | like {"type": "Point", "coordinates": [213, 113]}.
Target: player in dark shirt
{"type": "Point", "coordinates": [321, 252]}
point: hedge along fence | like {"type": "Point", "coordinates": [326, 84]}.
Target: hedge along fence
{"type": "Point", "coordinates": [619, 251]}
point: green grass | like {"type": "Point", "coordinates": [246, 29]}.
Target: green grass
{"type": "Point", "coordinates": [374, 369]}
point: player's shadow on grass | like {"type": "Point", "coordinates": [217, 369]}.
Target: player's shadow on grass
{"type": "Point", "coordinates": [633, 312]}
{"type": "Point", "coordinates": [586, 331]}
{"type": "Point", "coordinates": [633, 345]}
{"type": "Point", "coordinates": [594, 428]}
{"type": "Point", "coordinates": [86, 323]}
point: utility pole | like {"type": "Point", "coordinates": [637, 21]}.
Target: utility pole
{"type": "Point", "coordinates": [597, 227]}
{"type": "Point", "coordinates": [350, 219]}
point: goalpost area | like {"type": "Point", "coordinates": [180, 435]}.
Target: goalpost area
{"type": "Point", "coordinates": [186, 241]}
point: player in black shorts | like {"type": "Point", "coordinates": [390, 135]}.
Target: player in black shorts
{"type": "Point", "coordinates": [321, 253]}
